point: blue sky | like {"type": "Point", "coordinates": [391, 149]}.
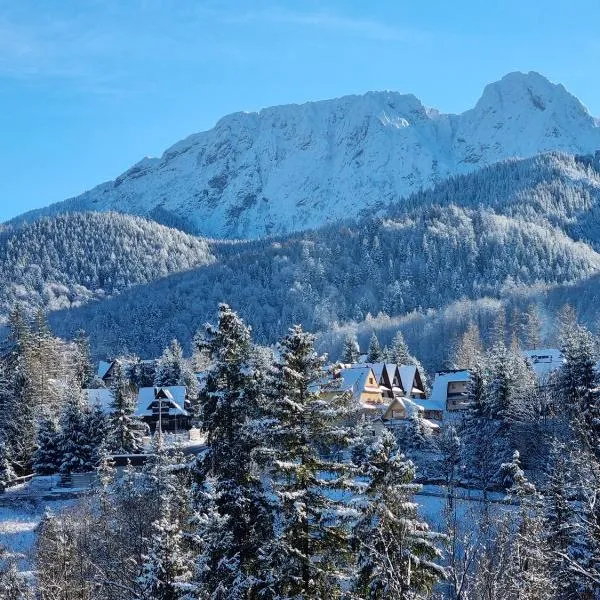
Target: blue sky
{"type": "Point", "coordinates": [88, 87]}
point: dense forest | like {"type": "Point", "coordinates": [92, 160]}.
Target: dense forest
{"type": "Point", "coordinates": [70, 260]}
{"type": "Point", "coordinates": [297, 493]}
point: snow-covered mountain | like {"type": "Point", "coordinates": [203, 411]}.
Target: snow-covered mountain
{"type": "Point", "coordinates": [294, 167]}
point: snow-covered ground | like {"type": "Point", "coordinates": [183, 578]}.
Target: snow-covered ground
{"type": "Point", "coordinates": [18, 523]}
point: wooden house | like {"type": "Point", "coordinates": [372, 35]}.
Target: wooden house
{"type": "Point", "coordinates": [362, 383]}
{"type": "Point", "coordinates": [449, 392]}
{"type": "Point", "coordinates": [167, 405]}
{"type": "Point", "coordinates": [106, 372]}
{"type": "Point", "coordinates": [412, 382]}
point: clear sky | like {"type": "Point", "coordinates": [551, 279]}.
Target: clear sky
{"type": "Point", "coordinates": [88, 87]}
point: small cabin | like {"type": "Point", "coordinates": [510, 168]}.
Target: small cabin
{"type": "Point", "coordinates": [106, 372]}
{"type": "Point", "coordinates": [164, 406]}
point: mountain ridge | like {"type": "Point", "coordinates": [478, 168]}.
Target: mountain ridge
{"type": "Point", "coordinates": [299, 166]}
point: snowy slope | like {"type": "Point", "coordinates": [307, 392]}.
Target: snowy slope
{"type": "Point", "coordinates": [294, 167]}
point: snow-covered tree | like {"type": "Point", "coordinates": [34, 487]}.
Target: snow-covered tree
{"type": "Point", "coordinates": [165, 565]}
{"type": "Point", "coordinates": [351, 350]}
{"type": "Point", "coordinates": [469, 349]}
{"type": "Point", "coordinates": [170, 368]}
{"type": "Point", "coordinates": [309, 434]}
{"type": "Point", "coordinates": [47, 458]}
{"type": "Point", "coordinates": [229, 405]}
{"type": "Point", "coordinates": [7, 472]}
{"type": "Point", "coordinates": [76, 449]}
{"type": "Point", "coordinates": [84, 370]}
{"type": "Point", "coordinates": [124, 430]}
{"type": "Point", "coordinates": [398, 556]}
{"type": "Point", "coordinates": [375, 353]}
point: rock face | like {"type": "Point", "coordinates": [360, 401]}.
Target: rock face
{"type": "Point", "coordinates": [294, 167]}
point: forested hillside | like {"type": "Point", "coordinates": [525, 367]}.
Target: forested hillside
{"type": "Point", "coordinates": [426, 258]}
{"type": "Point", "coordinates": [69, 260]}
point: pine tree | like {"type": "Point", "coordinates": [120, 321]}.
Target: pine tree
{"type": "Point", "coordinates": [47, 459]}
{"type": "Point", "coordinates": [229, 406]}
{"type": "Point", "coordinates": [7, 472]}
{"type": "Point", "coordinates": [19, 423]}
{"type": "Point", "coordinates": [84, 370]}
{"type": "Point", "coordinates": [560, 522]}
{"type": "Point", "coordinates": [527, 575]}
{"type": "Point", "coordinates": [397, 552]}
{"type": "Point", "coordinates": [170, 368]}
{"type": "Point", "coordinates": [307, 431]}
{"type": "Point", "coordinates": [165, 565]}
{"type": "Point", "coordinates": [498, 331]}
{"type": "Point", "coordinates": [400, 354]}
{"type": "Point", "coordinates": [375, 353]}
{"type": "Point", "coordinates": [75, 448]}
{"type": "Point", "coordinates": [125, 431]}
{"type": "Point", "coordinates": [351, 351]}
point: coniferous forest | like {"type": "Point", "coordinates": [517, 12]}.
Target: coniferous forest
{"type": "Point", "coordinates": [295, 492]}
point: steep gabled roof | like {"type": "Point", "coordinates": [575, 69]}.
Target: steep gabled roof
{"type": "Point", "coordinates": [103, 368]}
{"type": "Point", "coordinates": [174, 395]}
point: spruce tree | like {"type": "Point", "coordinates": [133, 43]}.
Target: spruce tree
{"type": "Point", "coordinates": [527, 575]}
{"type": "Point", "coordinates": [47, 458]}
{"type": "Point", "coordinates": [165, 565]}
{"type": "Point", "coordinates": [397, 552]}
{"type": "Point", "coordinates": [170, 367]}
{"type": "Point", "coordinates": [7, 472]}
{"type": "Point", "coordinates": [375, 353]}
{"type": "Point", "coordinates": [75, 447]}
{"type": "Point", "coordinates": [84, 370]}
{"type": "Point", "coordinates": [399, 353]}
{"type": "Point", "coordinates": [229, 490]}
{"type": "Point", "coordinates": [124, 430]}
{"type": "Point", "coordinates": [351, 350]}
{"type": "Point", "coordinates": [309, 434]}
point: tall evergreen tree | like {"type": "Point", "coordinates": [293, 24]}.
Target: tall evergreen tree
{"type": "Point", "coordinates": [397, 552]}
{"type": "Point", "coordinates": [229, 488]}
{"type": "Point", "coordinates": [125, 431]}
{"type": "Point", "coordinates": [375, 353]}
{"type": "Point", "coordinates": [84, 370]}
{"type": "Point", "coordinates": [351, 350]}
{"type": "Point", "coordinates": [308, 430]}
{"type": "Point", "coordinates": [75, 448]}
{"type": "Point", "coordinates": [47, 459]}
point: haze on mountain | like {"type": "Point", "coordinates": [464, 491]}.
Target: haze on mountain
{"type": "Point", "coordinates": [295, 167]}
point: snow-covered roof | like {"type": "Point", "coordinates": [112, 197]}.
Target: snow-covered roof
{"type": "Point", "coordinates": [101, 397]}
{"type": "Point", "coordinates": [439, 392]}
{"type": "Point", "coordinates": [174, 395]}
{"type": "Point", "coordinates": [355, 380]}
{"type": "Point", "coordinates": [544, 360]}
{"type": "Point", "coordinates": [103, 368]}
{"type": "Point", "coordinates": [408, 375]}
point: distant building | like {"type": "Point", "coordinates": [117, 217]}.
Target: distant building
{"type": "Point", "coordinates": [169, 405]}
{"type": "Point", "coordinates": [106, 372]}
{"type": "Point", "coordinates": [449, 392]}
{"type": "Point", "coordinates": [544, 362]}
{"type": "Point", "coordinates": [412, 382]}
